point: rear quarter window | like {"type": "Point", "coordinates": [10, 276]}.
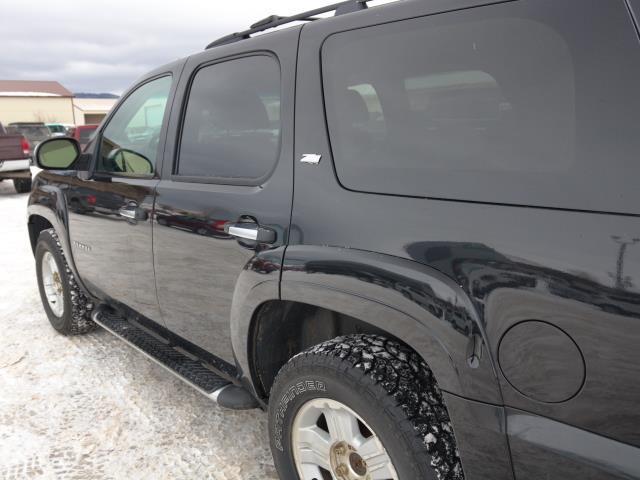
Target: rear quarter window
{"type": "Point", "coordinates": [521, 103]}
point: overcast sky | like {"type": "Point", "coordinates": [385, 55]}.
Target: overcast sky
{"type": "Point", "coordinates": [103, 46]}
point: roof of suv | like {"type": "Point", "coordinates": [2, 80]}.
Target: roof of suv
{"type": "Point", "coordinates": [346, 7]}
{"type": "Point", "coordinates": [274, 21]}
{"type": "Point", "coordinates": [311, 16]}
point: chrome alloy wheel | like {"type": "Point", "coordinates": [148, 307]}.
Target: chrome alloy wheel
{"type": "Point", "coordinates": [52, 282]}
{"type": "Point", "coordinates": [331, 442]}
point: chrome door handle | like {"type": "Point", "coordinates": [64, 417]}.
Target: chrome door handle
{"type": "Point", "coordinates": [127, 213]}
{"type": "Point", "coordinates": [132, 212]}
{"type": "Point", "coordinates": [251, 231]}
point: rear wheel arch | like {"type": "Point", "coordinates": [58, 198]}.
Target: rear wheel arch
{"type": "Point", "coordinates": [281, 329]}
{"type": "Point", "coordinates": [420, 305]}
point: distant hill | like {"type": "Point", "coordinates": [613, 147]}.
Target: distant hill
{"type": "Point", "coordinates": [95, 95]}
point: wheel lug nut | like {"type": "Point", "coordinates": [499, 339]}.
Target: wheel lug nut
{"type": "Point", "coordinates": [342, 470]}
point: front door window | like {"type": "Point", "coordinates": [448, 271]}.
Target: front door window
{"type": "Point", "coordinates": [130, 141]}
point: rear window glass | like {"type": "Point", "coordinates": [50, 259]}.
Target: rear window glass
{"type": "Point", "coordinates": [504, 103]}
{"type": "Point", "coordinates": [231, 127]}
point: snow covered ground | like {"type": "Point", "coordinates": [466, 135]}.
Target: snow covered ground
{"type": "Point", "coordinates": [90, 407]}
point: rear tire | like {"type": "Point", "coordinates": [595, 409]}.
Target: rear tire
{"type": "Point", "coordinates": [68, 309]}
{"type": "Point", "coordinates": [22, 185]}
{"type": "Point", "coordinates": [392, 394]}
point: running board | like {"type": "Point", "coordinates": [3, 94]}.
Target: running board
{"type": "Point", "coordinates": [181, 363]}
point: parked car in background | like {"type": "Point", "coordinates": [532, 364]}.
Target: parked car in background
{"type": "Point", "coordinates": [83, 134]}
{"type": "Point", "coordinates": [59, 129]}
{"type": "Point", "coordinates": [15, 159]}
{"type": "Point", "coordinates": [34, 132]}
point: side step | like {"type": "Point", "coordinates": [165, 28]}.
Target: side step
{"type": "Point", "coordinates": [185, 366]}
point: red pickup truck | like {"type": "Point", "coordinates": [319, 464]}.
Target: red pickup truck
{"type": "Point", "coordinates": [15, 159]}
{"type": "Point", "coordinates": [83, 133]}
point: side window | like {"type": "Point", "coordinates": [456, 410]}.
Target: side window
{"type": "Point", "coordinates": [518, 103]}
{"type": "Point", "coordinates": [129, 144]}
{"type": "Point", "coordinates": [231, 127]}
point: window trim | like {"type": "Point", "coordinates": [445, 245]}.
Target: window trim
{"type": "Point", "coordinates": [165, 120]}
{"type": "Point", "coordinates": [239, 181]}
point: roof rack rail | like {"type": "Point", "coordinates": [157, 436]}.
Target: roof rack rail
{"type": "Point", "coordinates": [276, 20]}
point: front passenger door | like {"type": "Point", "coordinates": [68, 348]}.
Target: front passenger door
{"type": "Point", "coordinates": [110, 214]}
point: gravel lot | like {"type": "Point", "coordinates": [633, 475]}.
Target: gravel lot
{"type": "Point", "coordinates": [90, 407]}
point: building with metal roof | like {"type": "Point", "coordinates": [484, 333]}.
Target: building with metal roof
{"type": "Point", "coordinates": [35, 101]}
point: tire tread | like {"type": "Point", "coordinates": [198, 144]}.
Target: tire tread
{"type": "Point", "coordinates": [409, 393]}
{"type": "Point", "coordinates": [81, 306]}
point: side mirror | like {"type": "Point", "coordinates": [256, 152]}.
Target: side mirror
{"type": "Point", "coordinates": [130, 162]}
{"type": "Point", "coordinates": [57, 153]}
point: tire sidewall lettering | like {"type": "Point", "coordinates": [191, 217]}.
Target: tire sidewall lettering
{"type": "Point", "coordinates": [387, 385]}
{"type": "Point", "coordinates": [286, 399]}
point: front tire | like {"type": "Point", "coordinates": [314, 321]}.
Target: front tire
{"type": "Point", "coordinates": [358, 407]}
{"type": "Point", "coordinates": [68, 309]}
{"type": "Point", "coordinates": [22, 185]}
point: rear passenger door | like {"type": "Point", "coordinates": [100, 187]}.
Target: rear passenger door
{"type": "Point", "coordinates": [228, 161]}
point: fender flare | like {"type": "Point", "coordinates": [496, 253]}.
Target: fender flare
{"type": "Point", "coordinates": [415, 303]}
{"type": "Point", "coordinates": [48, 201]}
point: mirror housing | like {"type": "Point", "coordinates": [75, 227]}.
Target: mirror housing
{"type": "Point", "coordinates": [58, 153]}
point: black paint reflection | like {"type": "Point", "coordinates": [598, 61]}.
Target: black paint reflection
{"type": "Point", "coordinates": [481, 270]}
{"type": "Point", "coordinates": [420, 293]}
{"type": "Point", "coordinates": [201, 225]}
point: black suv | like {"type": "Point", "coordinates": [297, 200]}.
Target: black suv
{"type": "Point", "coordinates": [411, 232]}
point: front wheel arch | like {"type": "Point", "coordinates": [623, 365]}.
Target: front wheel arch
{"type": "Point", "coordinates": [37, 224]}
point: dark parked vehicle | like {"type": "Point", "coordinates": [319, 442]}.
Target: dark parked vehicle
{"type": "Point", "coordinates": [430, 265]}
{"type": "Point", "coordinates": [15, 160]}
{"type": "Point", "coordinates": [34, 132]}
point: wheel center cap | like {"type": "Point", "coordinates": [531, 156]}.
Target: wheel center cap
{"type": "Point", "coordinates": [347, 464]}
{"type": "Point", "coordinates": [357, 464]}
